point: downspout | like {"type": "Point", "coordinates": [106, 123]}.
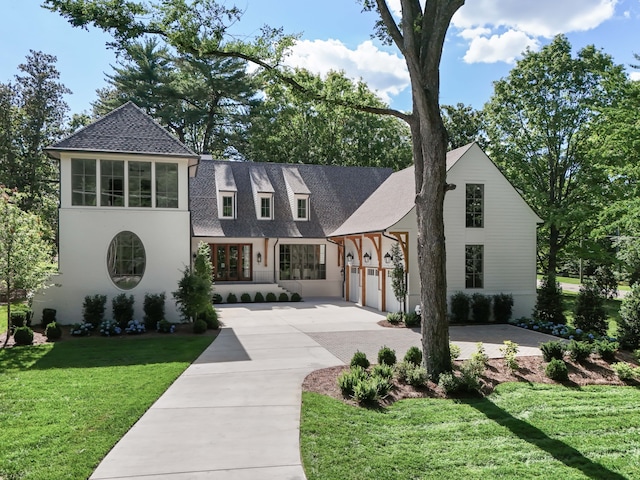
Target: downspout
{"type": "Point", "coordinates": [344, 264]}
{"type": "Point", "coordinates": [274, 260]}
{"type": "Point", "coordinates": [406, 275]}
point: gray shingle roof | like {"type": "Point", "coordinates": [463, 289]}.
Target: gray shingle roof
{"type": "Point", "coordinates": [127, 129]}
{"type": "Point", "coordinates": [391, 202]}
{"type": "Point", "coordinates": [334, 194]}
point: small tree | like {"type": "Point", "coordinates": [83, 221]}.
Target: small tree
{"type": "Point", "coordinates": [25, 257]}
{"type": "Point", "coordinates": [589, 312]}
{"type": "Point", "coordinates": [194, 289]}
{"type": "Point", "coordinates": [629, 325]}
{"type": "Point", "coordinates": [549, 302]}
{"type": "Point", "coordinates": [399, 278]}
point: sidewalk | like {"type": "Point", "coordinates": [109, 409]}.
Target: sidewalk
{"type": "Point", "coordinates": [234, 414]}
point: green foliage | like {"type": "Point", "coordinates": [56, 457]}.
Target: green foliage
{"type": "Point", "coordinates": [589, 314]}
{"type": "Point", "coordinates": [606, 282]}
{"type": "Point", "coordinates": [413, 356]}
{"type": "Point", "coordinates": [365, 391]}
{"type": "Point", "coordinates": [259, 298]}
{"type": "Point", "coordinates": [271, 297]}
{"type": "Point", "coordinates": [411, 373]}
{"type": "Point", "coordinates": [359, 359]}
{"type": "Point", "coordinates": [502, 307]}
{"type": "Point", "coordinates": [283, 297]}
{"type": "Point", "coordinates": [122, 309]}
{"type": "Point", "coordinates": [23, 336]}
{"type": "Point", "coordinates": [557, 370]}
{"type": "Point", "coordinates": [164, 326]}
{"type": "Point", "coordinates": [348, 379]}
{"type": "Point", "coordinates": [199, 326]}
{"type": "Point", "coordinates": [480, 357]}
{"type": "Point", "coordinates": [153, 307]}
{"type": "Point", "coordinates": [480, 308]}
{"type": "Point", "coordinates": [18, 319]}
{"type": "Point", "coordinates": [48, 316]}
{"type": "Point", "coordinates": [382, 370]}
{"type": "Point", "coordinates": [231, 298]}
{"type": "Point", "coordinates": [579, 351]}
{"type": "Point", "coordinates": [553, 349]}
{"type": "Point", "coordinates": [202, 266]}
{"type": "Point", "coordinates": [470, 372]}
{"type": "Point", "coordinates": [455, 351]}
{"type": "Point", "coordinates": [387, 356]}
{"type": "Point", "coordinates": [109, 328]}
{"type": "Point", "coordinates": [625, 371]}
{"type": "Point", "coordinates": [193, 294]}
{"type": "Point", "coordinates": [245, 298]}
{"type": "Point", "coordinates": [93, 309]}
{"type": "Point", "coordinates": [549, 306]}
{"type": "Point", "coordinates": [629, 324]}
{"type": "Point", "coordinates": [510, 351]}
{"type": "Point", "coordinates": [382, 384]}
{"type": "Point", "coordinates": [412, 320]}
{"type": "Point", "coordinates": [210, 317]}
{"type": "Point", "coordinates": [449, 382]}
{"type": "Point", "coordinates": [53, 331]}
{"type": "Point", "coordinates": [464, 125]}
{"type": "Point", "coordinates": [217, 298]}
{"type": "Point", "coordinates": [606, 349]}
{"type": "Point", "coordinates": [295, 297]}
{"type": "Point", "coordinates": [398, 276]}
{"type": "Point", "coordinates": [460, 305]}
{"type": "Point", "coordinates": [394, 318]}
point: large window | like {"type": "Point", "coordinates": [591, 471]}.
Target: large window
{"type": "Point", "coordinates": [303, 262]}
{"type": "Point", "coordinates": [83, 182]}
{"type": "Point", "coordinates": [111, 183]}
{"type": "Point", "coordinates": [126, 260]}
{"type": "Point", "coordinates": [167, 185]}
{"type": "Point", "coordinates": [474, 205]}
{"type": "Point", "coordinates": [139, 184]}
{"type": "Point", "coordinates": [474, 266]}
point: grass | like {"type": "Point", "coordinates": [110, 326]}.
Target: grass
{"type": "Point", "coordinates": [576, 281]}
{"type": "Point", "coordinates": [63, 406]}
{"type": "Point", "coordinates": [521, 431]}
{"type": "Point", "coordinates": [3, 318]}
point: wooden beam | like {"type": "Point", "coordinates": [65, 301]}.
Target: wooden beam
{"type": "Point", "coordinates": [266, 252]}
{"type": "Point", "coordinates": [403, 239]}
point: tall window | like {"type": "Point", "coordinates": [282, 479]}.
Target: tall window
{"type": "Point", "coordinates": [83, 182]}
{"type": "Point", "coordinates": [126, 260]}
{"type": "Point", "coordinates": [167, 185]}
{"type": "Point", "coordinates": [265, 208]}
{"type": "Point", "coordinates": [475, 205]}
{"type": "Point", "coordinates": [474, 266]}
{"type": "Point", "coordinates": [112, 183]}
{"type": "Point", "coordinates": [303, 262]}
{"type": "Point", "coordinates": [139, 184]}
{"type": "Point", "coordinates": [228, 206]}
{"type": "Point", "coordinates": [302, 210]}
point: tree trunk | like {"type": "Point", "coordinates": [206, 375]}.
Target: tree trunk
{"type": "Point", "coordinates": [552, 264]}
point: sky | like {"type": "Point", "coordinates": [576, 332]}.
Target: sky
{"type": "Point", "coordinates": [485, 39]}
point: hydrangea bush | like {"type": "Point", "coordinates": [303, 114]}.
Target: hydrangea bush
{"type": "Point", "coordinates": [134, 327]}
{"type": "Point", "coordinates": [81, 329]}
{"type": "Point", "coordinates": [558, 330]}
{"type": "Point", "coordinates": [109, 328]}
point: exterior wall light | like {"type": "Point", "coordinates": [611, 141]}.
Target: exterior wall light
{"type": "Point", "coordinates": [388, 258]}
{"type": "Point", "coordinates": [259, 257]}
{"type": "Point", "coordinates": [367, 257]}
{"type": "Point", "coordinates": [349, 257]}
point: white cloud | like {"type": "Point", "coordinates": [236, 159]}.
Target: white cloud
{"type": "Point", "coordinates": [383, 72]}
{"type": "Point", "coordinates": [499, 48]}
{"type": "Point", "coordinates": [635, 76]}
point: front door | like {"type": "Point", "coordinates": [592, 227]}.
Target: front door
{"type": "Point", "coordinates": [231, 262]}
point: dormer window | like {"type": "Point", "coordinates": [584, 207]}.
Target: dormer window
{"type": "Point", "coordinates": [302, 208]}
{"type": "Point", "coordinates": [228, 209]}
{"type": "Point", "coordinates": [227, 191]}
{"type": "Point", "coordinates": [266, 206]}
{"type": "Point", "coordinates": [298, 194]}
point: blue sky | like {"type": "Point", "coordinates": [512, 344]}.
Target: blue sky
{"type": "Point", "coordinates": [485, 39]}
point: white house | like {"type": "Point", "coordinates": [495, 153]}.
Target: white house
{"type": "Point", "coordinates": [135, 203]}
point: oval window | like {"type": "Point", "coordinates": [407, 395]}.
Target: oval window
{"type": "Point", "coordinates": [126, 260]}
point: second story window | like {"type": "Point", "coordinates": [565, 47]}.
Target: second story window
{"type": "Point", "coordinates": [302, 208]}
{"type": "Point", "coordinates": [140, 184]}
{"type": "Point", "coordinates": [228, 206]}
{"type": "Point", "coordinates": [474, 201]}
{"type": "Point", "coordinates": [83, 182]}
{"type": "Point", "coordinates": [167, 185]}
{"type": "Point", "coordinates": [265, 208]}
{"type": "Point", "coordinates": [112, 183]}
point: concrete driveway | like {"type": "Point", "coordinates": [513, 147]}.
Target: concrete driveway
{"type": "Point", "coordinates": [234, 414]}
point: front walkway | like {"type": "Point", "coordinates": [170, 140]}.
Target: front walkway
{"type": "Point", "coordinates": [234, 414]}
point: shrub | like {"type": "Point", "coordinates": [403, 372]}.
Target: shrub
{"type": "Point", "coordinates": [245, 298]}
{"type": "Point", "coordinates": [470, 372]}
{"type": "Point", "coordinates": [81, 329]}
{"type": "Point", "coordinates": [18, 319]}
{"type": "Point", "coordinates": [416, 376]}
{"type": "Point", "coordinates": [449, 382]}
{"type": "Point", "coordinates": [23, 335]}
{"type": "Point", "coordinates": [625, 371]}
{"type": "Point", "coordinates": [48, 316]}
{"type": "Point", "coordinates": [93, 309]}
{"type": "Point", "coordinates": [216, 298]}
{"type": "Point", "coordinates": [557, 370]}
{"type": "Point", "coordinates": [606, 349]}
{"type": "Point", "coordinates": [53, 331]}
{"type": "Point", "coordinates": [199, 326]}
{"type": "Point", "coordinates": [387, 356]}
{"type": "Point", "coordinates": [359, 359]}
{"type": "Point", "coordinates": [194, 287]}
{"type": "Point", "coordinates": [134, 327]}
{"type": "Point", "coordinates": [231, 298]}
{"type": "Point", "coordinates": [549, 306]}
{"type": "Point", "coordinates": [153, 307]}
{"type": "Point", "coordinates": [349, 378]}
{"type": "Point", "coordinates": [579, 351]}
{"type": "Point", "coordinates": [460, 307]}
{"type": "Point", "coordinates": [412, 320]}
{"type": "Point", "coordinates": [629, 324]}
{"type": "Point", "coordinates": [510, 352]}
{"type": "Point", "coordinates": [259, 298]}
{"type": "Point", "coordinates": [109, 328]}
{"type": "Point", "coordinates": [480, 357]}
{"type": "Point", "coordinates": [271, 297]}
{"type": "Point", "coordinates": [589, 314]}
{"type": "Point", "coordinates": [502, 307]}
{"type": "Point", "coordinates": [382, 370]}
{"type": "Point", "coordinates": [480, 308]}
{"type": "Point", "coordinates": [283, 297]}
{"type": "Point", "coordinates": [164, 326]}
{"type": "Point", "coordinates": [295, 297]}
{"type": "Point", "coordinates": [210, 317]}
{"type": "Point", "coordinates": [394, 318]}
{"type": "Point", "coordinates": [454, 351]}
{"type": "Point", "coordinates": [122, 308]}
{"type": "Point", "coordinates": [365, 391]}
{"type": "Point", "coordinates": [413, 356]}
{"type": "Point", "coordinates": [383, 385]}
{"type": "Point", "coordinates": [553, 349]}
{"type": "Point", "coordinates": [636, 354]}
{"type": "Point", "coordinates": [606, 281]}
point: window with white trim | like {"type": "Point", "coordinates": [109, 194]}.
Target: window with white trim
{"type": "Point", "coordinates": [266, 207]}
{"type": "Point", "coordinates": [474, 200]}
{"type": "Point", "coordinates": [302, 207]}
{"type": "Point", "coordinates": [83, 182]}
{"type": "Point", "coordinates": [228, 205]}
{"type": "Point", "coordinates": [111, 183]}
{"type": "Point", "coordinates": [474, 266]}
{"type": "Point", "coordinates": [140, 184]}
{"type": "Point", "coordinates": [167, 185]}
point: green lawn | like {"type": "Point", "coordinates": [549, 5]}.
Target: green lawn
{"type": "Point", "coordinates": [576, 281]}
{"type": "Point", "coordinates": [521, 431]}
{"type": "Point", "coordinates": [63, 406]}
{"type": "Point", "coordinates": [3, 318]}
